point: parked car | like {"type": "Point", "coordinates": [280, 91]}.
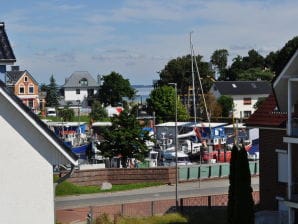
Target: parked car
{"type": "Point", "coordinates": [51, 112]}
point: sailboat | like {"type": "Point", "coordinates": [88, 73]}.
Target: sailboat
{"type": "Point", "coordinates": [212, 141]}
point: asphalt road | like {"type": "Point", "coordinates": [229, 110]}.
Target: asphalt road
{"type": "Point", "coordinates": [198, 188]}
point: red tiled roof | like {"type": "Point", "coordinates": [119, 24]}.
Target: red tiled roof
{"type": "Point", "coordinates": [267, 115]}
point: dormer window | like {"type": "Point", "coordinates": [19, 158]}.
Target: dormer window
{"type": "Point", "coordinates": [83, 82]}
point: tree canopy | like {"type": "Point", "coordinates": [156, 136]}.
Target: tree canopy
{"type": "Point", "coordinates": [125, 138]}
{"type": "Point", "coordinates": [52, 97]}
{"type": "Point", "coordinates": [179, 71]}
{"type": "Point", "coordinates": [219, 59]}
{"type": "Point", "coordinates": [98, 112]}
{"type": "Point", "coordinates": [227, 105]}
{"type": "Point", "coordinates": [162, 101]}
{"type": "Point", "coordinates": [113, 89]}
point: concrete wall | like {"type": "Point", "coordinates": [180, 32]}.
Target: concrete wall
{"type": "Point", "coordinates": [26, 181]}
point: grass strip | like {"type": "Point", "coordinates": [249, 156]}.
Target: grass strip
{"type": "Point", "coordinates": [67, 188]}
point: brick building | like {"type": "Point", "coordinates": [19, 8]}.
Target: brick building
{"type": "Point", "coordinates": [277, 120]}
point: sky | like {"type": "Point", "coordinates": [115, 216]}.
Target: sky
{"type": "Point", "coordinates": [137, 38]}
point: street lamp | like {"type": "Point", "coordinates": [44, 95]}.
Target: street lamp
{"type": "Point", "coordinates": [176, 146]}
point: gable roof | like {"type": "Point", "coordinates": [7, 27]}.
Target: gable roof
{"type": "Point", "coordinates": [6, 52]}
{"type": "Point", "coordinates": [267, 115]}
{"type": "Point", "coordinates": [74, 80]}
{"type": "Point", "coordinates": [280, 83]}
{"type": "Point", "coordinates": [243, 87]}
{"type": "Point", "coordinates": [14, 76]}
{"type": "Point", "coordinates": [37, 123]}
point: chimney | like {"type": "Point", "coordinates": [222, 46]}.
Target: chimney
{"type": "Point", "coordinates": [99, 79]}
{"type": "Point", "coordinates": [15, 68]}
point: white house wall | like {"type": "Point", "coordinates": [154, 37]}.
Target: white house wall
{"type": "Point", "coordinates": [70, 94]}
{"type": "Point", "coordinates": [239, 106]}
{"type": "Point", "coordinates": [26, 173]}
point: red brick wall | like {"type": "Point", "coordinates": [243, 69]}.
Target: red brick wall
{"type": "Point", "coordinates": [146, 208]}
{"type": "Point", "coordinates": [123, 176]}
{"type": "Point", "coordinates": [270, 140]}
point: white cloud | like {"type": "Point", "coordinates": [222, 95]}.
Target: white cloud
{"type": "Point", "coordinates": [57, 37]}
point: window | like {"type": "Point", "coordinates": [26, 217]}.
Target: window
{"type": "Point", "coordinates": [30, 104]}
{"type": "Point", "coordinates": [26, 79]}
{"type": "Point", "coordinates": [21, 90]}
{"type": "Point", "coordinates": [247, 101]}
{"type": "Point", "coordinates": [282, 167]}
{"type": "Point", "coordinates": [247, 113]}
{"type": "Point", "coordinates": [84, 82]}
{"type": "Point", "coordinates": [78, 91]}
{"type": "Point", "coordinates": [31, 89]}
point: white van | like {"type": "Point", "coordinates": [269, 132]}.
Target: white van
{"type": "Point", "coordinates": [51, 112]}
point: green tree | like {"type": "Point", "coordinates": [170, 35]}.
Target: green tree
{"type": "Point", "coordinates": [284, 55]}
{"type": "Point", "coordinates": [219, 60]}
{"type": "Point", "coordinates": [242, 65]}
{"type": "Point", "coordinates": [162, 100]}
{"type": "Point", "coordinates": [126, 138]}
{"type": "Point", "coordinates": [227, 104]}
{"type": "Point", "coordinates": [67, 114]}
{"type": "Point", "coordinates": [98, 112]}
{"type": "Point", "coordinates": [114, 88]}
{"type": "Point", "coordinates": [52, 98]}
{"type": "Point", "coordinates": [253, 74]}
{"type": "Point", "coordinates": [179, 71]}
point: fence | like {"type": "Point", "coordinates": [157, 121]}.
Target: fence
{"type": "Point", "coordinates": [156, 174]}
{"type": "Point", "coordinates": [215, 170]}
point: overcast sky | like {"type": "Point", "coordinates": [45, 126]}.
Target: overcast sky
{"type": "Point", "coordinates": [137, 38]}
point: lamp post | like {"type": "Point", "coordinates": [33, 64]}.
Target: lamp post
{"type": "Point", "coordinates": [176, 147]}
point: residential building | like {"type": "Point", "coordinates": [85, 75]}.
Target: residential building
{"type": "Point", "coordinates": [6, 53]}
{"type": "Point", "coordinates": [245, 94]}
{"type": "Point", "coordinates": [79, 87]}
{"type": "Point", "coordinates": [25, 87]}
{"type": "Point", "coordinates": [29, 151]}
{"type": "Point", "coordinates": [277, 120]}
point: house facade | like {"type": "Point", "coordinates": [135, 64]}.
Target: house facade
{"type": "Point", "coordinates": [26, 170]}
{"type": "Point", "coordinates": [6, 53]}
{"type": "Point", "coordinates": [245, 94]}
{"type": "Point", "coordinates": [279, 145]}
{"type": "Point", "coordinates": [79, 87]}
{"type": "Point", "coordinates": [25, 87]}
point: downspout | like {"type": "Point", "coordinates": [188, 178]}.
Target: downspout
{"type": "Point", "coordinates": [61, 179]}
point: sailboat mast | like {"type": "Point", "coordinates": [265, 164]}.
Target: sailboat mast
{"type": "Point", "coordinates": [193, 81]}
{"type": "Point", "coordinates": [201, 86]}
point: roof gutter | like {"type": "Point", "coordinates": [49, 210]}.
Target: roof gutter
{"type": "Point", "coordinates": [66, 176]}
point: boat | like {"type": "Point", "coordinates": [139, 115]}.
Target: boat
{"type": "Point", "coordinates": [73, 135]}
{"type": "Point", "coordinates": [169, 158]}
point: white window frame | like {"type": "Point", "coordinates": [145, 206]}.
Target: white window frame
{"type": "Point", "coordinates": [282, 167]}
{"type": "Point", "coordinates": [29, 89]}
